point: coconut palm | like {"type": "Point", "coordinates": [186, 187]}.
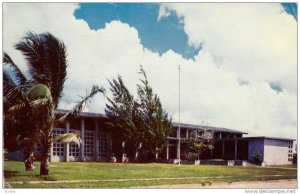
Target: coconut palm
{"type": "Point", "coordinates": [29, 103]}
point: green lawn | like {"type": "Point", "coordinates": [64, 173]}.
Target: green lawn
{"type": "Point", "coordinates": [107, 172]}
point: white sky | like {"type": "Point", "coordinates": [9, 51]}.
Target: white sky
{"type": "Point", "coordinates": [250, 43]}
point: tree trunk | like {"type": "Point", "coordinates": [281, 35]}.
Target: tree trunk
{"type": "Point", "coordinates": [28, 156]}
{"type": "Point", "coordinates": [46, 142]}
{"type": "Point", "coordinates": [44, 169]}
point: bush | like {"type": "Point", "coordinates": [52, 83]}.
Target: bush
{"type": "Point", "coordinates": [257, 158]}
{"type": "Point", "coordinates": [191, 156]}
{"type": "Point", "coordinates": [295, 158]}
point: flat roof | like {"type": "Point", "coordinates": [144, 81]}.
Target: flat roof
{"type": "Point", "coordinates": [218, 129]}
{"type": "Point", "coordinates": [175, 124]}
{"type": "Point", "coordinates": [183, 125]}
{"type": "Point", "coordinates": [82, 114]}
{"type": "Point", "coordinates": [266, 137]}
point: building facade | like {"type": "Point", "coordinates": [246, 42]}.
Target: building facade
{"type": "Point", "coordinates": [97, 145]}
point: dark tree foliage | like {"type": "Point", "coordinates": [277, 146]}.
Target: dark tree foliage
{"type": "Point", "coordinates": [29, 104]}
{"type": "Point", "coordinates": [124, 117]}
{"type": "Point", "coordinates": [156, 124]}
{"type": "Point", "coordinates": [140, 121]}
{"type": "Point", "coordinates": [199, 141]}
{"type": "Point", "coordinates": [46, 59]}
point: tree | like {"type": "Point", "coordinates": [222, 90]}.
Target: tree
{"type": "Point", "coordinates": [156, 124]}
{"type": "Point", "coordinates": [140, 121]}
{"type": "Point", "coordinates": [199, 141]}
{"type": "Point", "coordinates": [124, 117]}
{"type": "Point", "coordinates": [29, 104]}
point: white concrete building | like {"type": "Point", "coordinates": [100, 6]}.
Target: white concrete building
{"type": "Point", "coordinates": [97, 144]}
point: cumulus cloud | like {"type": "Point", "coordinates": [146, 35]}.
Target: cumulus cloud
{"type": "Point", "coordinates": [245, 47]}
{"type": "Point", "coordinates": [257, 45]}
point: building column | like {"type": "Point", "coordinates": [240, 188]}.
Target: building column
{"type": "Point", "coordinates": [178, 149]}
{"type": "Point", "coordinates": [82, 141]}
{"type": "Point", "coordinates": [167, 150]}
{"type": "Point", "coordinates": [96, 141]}
{"type": "Point", "coordinates": [223, 149]}
{"type": "Point", "coordinates": [187, 134]}
{"type": "Point", "coordinates": [178, 144]}
{"type": "Point", "coordinates": [67, 145]}
{"type": "Point", "coordinates": [235, 149]}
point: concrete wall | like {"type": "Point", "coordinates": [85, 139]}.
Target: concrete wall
{"type": "Point", "coordinates": [255, 145]}
{"type": "Point", "coordinates": [276, 152]}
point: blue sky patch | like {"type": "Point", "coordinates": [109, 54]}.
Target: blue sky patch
{"type": "Point", "coordinates": [158, 36]}
{"type": "Point", "coordinates": [291, 8]}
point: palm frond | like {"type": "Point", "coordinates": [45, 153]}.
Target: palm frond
{"type": "Point", "coordinates": [32, 47]}
{"type": "Point", "coordinates": [19, 76]}
{"type": "Point", "coordinates": [46, 57]}
{"type": "Point", "coordinates": [57, 64]}
{"type": "Point", "coordinates": [38, 91]}
{"type": "Point", "coordinates": [82, 104]}
{"type": "Point", "coordinates": [39, 102]}
{"type": "Point", "coordinates": [16, 108]}
{"type": "Point", "coordinates": [12, 93]}
{"type": "Point", "coordinates": [68, 138]}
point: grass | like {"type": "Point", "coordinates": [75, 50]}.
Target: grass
{"type": "Point", "coordinates": [14, 171]}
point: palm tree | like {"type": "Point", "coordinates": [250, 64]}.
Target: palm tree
{"type": "Point", "coordinates": [29, 104]}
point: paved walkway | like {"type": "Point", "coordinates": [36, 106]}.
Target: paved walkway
{"type": "Point", "coordinates": [251, 184]}
{"type": "Point", "coordinates": [274, 184]}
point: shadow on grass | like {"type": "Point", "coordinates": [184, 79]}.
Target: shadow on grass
{"type": "Point", "coordinates": [47, 178]}
{"type": "Point", "coordinates": [11, 173]}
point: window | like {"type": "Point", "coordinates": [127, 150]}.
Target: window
{"type": "Point", "coordinates": [58, 148]}
{"type": "Point", "coordinates": [103, 145]}
{"type": "Point", "coordinates": [88, 143]}
{"type": "Point", "coordinates": [73, 147]}
{"type": "Point", "coordinates": [290, 155]}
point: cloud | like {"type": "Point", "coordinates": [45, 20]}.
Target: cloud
{"type": "Point", "coordinates": [254, 40]}
{"type": "Point", "coordinates": [245, 48]}
{"type": "Point", "coordinates": [257, 44]}
{"type": "Point", "coordinates": [163, 12]}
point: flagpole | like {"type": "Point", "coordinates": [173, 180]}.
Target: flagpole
{"type": "Point", "coordinates": [179, 117]}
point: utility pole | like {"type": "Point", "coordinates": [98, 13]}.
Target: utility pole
{"type": "Point", "coordinates": [179, 119]}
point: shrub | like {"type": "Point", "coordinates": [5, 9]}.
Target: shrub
{"type": "Point", "coordinates": [191, 156]}
{"type": "Point", "coordinates": [257, 158]}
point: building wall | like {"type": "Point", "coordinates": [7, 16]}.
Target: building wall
{"type": "Point", "coordinates": [16, 155]}
{"type": "Point", "coordinates": [94, 142]}
{"type": "Point", "coordinates": [255, 146]}
{"type": "Point", "coordinates": [277, 152]}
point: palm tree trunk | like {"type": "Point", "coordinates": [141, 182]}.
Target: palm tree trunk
{"type": "Point", "coordinates": [44, 169]}
{"type": "Point", "coordinates": [47, 141]}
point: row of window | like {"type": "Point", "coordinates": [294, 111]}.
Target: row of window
{"type": "Point", "coordinates": [290, 155]}
{"type": "Point", "coordinates": [74, 150]}
{"type": "Point", "coordinates": [58, 148]}
{"type": "Point", "coordinates": [103, 145]}
{"type": "Point", "coordinates": [88, 143]}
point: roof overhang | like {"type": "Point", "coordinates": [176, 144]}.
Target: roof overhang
{"type": "Point", "coordinates": [216, 129]}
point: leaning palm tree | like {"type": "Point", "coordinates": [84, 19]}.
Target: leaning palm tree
{"type": "Point", "coordinates": [30, 103]}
